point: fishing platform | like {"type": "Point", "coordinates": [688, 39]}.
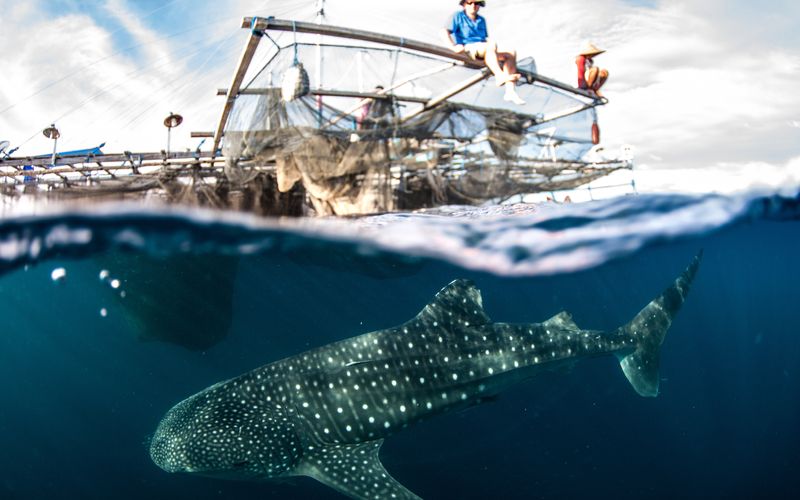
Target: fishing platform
{"type": "Point", "coordinates": [341, 121]}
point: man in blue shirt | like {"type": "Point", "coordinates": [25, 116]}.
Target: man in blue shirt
{"type": "Point", "coordinates": [467, 33]}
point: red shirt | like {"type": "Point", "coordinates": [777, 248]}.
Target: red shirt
{"type": "Point", "coordinates": [584, 63]}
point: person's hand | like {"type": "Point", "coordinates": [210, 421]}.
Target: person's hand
{"type": "Point", "coordinates": [458, 49]}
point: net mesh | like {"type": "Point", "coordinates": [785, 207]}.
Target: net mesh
{"type": "Point", "coordinates": [366, 141]}
{"type": "Point", "coordinates": [380, 130]}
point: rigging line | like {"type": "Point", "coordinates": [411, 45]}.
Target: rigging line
{"type": "Point", "coordinates": [121, 51]}
{"type": "Point", "coordinates": [29, 139]}
{"type": "Point", "coordinates": [262, 70]}
{"type": "Point", "coordinates": [148, 108]}
{"type": "Point", "coordinates": [145, 16]}
{"type": "Point", "coordinates": [480, 91]}
{"type": "Point", "coordinates": [193, 82]}
{"type": "Point", "coordinates": [268, 56]}
{"type": "Point", "coordinates": [275, 39]}
{"type": "Point", "coordinates": [107, 89]}
{"type": "Point", "coordinates": [376, 73]}
{"type": "Point", "coordinates": [196, 80]}
{"type": "Point", "coordinates": [126, 49]}
{"type": "Point", "coordinates": [396, 62]}
{"type": "Point", "coordinates": [123, 80]}
{"type": "Point", "coordinates": [138, 116]}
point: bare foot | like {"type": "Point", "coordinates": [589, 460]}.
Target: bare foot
{"type": "Point", "coordinates": [511, 96]}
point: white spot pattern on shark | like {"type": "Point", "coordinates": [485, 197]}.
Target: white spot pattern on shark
{"type": "Point", "coordinates": [322, 414]}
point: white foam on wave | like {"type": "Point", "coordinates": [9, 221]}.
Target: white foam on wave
{"type": "Point", "coordinates": [509, 240]}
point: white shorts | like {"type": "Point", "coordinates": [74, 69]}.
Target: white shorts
{"type": "Point", "coordinates": [476, 50]}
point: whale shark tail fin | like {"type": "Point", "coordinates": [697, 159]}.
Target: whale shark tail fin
{"type": "Point", "coordinates": [648, 330]}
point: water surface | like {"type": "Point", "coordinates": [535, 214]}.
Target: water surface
{"type": "Point", "coordinates": [88, 373]}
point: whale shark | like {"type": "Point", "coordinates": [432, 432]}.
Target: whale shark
{"type": "Point", "coordinates": [325, 413]}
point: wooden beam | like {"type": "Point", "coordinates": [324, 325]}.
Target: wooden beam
{"type": "Point", "coordinates": [236, 83]}
{"type": "Point", "coordinates": [85, 171]}
{"type": "Point", "coordinates": [396, 85]}
{"type": "Point", "coordinates": [564, 114]}
{"type": "Point", "coordinates": [74, 160]}
{"type": "Point", "coordinates": [432, 103]}
{"type": "Point", "coordinates": [335, 93]}
{"type": "Point", "coordinates": [201, 135]}
{"type": "Point", "coordinates": [263, 24]}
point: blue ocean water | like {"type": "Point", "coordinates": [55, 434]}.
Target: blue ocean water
{"type": "Point", "coordinates": [90, 362]}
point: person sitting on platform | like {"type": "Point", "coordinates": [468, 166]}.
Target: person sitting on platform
{"type": "Point", "coordinates": [467, 33]}
{"type": "Point", "coordinates": [377, 113]}
{"type": "Point", "coordinates": [590, 77]}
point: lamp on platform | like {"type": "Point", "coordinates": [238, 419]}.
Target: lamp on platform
{"type": "Point", "coordinates": [172, 121]}
{"type": "Point", "coordinates": [52, 132]}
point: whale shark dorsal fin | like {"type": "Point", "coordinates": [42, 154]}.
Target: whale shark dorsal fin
{"type": "Point", "coordinates": [459, 303]}
{"type": "Point", "coordinates": [562, 320]}
{"type": "Point", "coordinates": [353, 470]}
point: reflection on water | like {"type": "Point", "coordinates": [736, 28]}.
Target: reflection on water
{"type": "Point", "coordinates": [183, 299]}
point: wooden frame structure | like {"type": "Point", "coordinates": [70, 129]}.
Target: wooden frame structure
{"type": "Point", "coordinates": [259, 25]}
{"type": "Point", "coordinates": [108, 166]}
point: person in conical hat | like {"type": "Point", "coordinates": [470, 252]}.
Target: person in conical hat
{"type": "Point", "coordinates": [590, 77]}
{"type": "Point", "coordinates": [466, 33]}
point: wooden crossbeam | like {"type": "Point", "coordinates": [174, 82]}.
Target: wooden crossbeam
{"type": "Point", "coordinates": [336, 93]}
{"type": "Point", "coordinates": [263, 24]}
{"type": "Point", "coordinates": [85, 170]}
{"type": "Point", "coordinates": [74, 160]}
{"type": "Point", "coordinates": [456, 89]}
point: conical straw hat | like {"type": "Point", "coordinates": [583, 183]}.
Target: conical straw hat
{"type": "Point", "coordinates": [589, 49]}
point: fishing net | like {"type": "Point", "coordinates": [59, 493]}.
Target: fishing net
{"type": "Point", "coordinates": [339, 129]}
{"type": "Point", "coordinates": [192, 186]}
{"type": "Point", "coordinates": [368, 140]}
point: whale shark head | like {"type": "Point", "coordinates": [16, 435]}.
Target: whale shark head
{"type": "Point", "coordinates": [219, 434]}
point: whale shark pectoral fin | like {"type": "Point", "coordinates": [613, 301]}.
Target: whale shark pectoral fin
{"type": "Point", "coordinates": [562, 320]}
{"type": "Point", "coordinates": [353, 470]}
{"type": "Point", "coordinates": [459, 303]}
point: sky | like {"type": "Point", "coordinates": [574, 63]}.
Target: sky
{"type": "Point", "coordinates": [704, 91]}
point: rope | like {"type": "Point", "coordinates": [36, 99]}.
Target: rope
{"type": "Point", "coordinates": [118, 111]}
{"type": "Point", "coordinates": [294, 31]}
{"type": "Point", "coordinates": [81, 70]}
{"type": "Point", "coordinates": [187, 79]}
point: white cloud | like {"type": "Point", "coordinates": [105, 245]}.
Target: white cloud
{"type": "Point", "coordinates": [107, 95]}
{"type": "Point", "coordinates": [684, 85]}
{"type": "Point", "coordinates": [722, 178]}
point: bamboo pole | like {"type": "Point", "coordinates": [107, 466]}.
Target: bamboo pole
{"type": "Point", "coordinates": [336, 93]}
{"type": "Point", "coordinates": [63, 161]}
{"type": "Point", "coordinates": [263, 24]}
{"type": "Point", "coordinates": [236, 83]}
{"type": "Point", "coordinates": [415, 76]}
{"type": "Point", "coordinates": [471, 81]}
{"type": "Point", "coordinates": [157, 165]}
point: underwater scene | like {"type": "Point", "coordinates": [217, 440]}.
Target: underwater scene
{"type": "Point", "coordinates": [517, 353]}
